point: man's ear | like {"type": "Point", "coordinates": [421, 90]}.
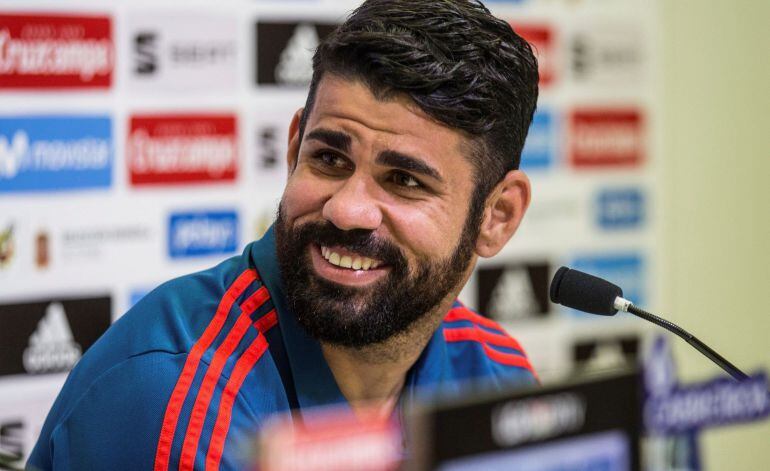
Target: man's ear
{"type": "Point", "coordinates": [503, 211]}
{"type": "Point", "coordinates": [292, 154]}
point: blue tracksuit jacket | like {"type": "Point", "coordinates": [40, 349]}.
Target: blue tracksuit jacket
{"type": "Point", "coordinates": [186, 377]}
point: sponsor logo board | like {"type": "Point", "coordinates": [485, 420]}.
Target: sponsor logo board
{"type": "Point", "coordinates": [604, 353]}
{"type": "Point", "coordinates": [514, 291]}
{"type": "Point", "coordinates": [97, 243]}
{"type": "Point", "coordinates": [23, 409]}
{"type": "Point", "coordinates": [620, 208]}
{"type": "Point", "coordinates": [12, 446]}
{"type": "Point", "coordinates": [607, 55]}
{"type": "Point", "coordinates": [285, 51]}
{"type": "Point", "coordinates": [21, 248]}
{"type": "Point", "coordinates": [7, 245]}
{"type": "Point", "coordinates": [40, 153]}
{"type": "Point", "coordinates": [541, 38]}
{"type": "Point", "coordinates": [540, 147]}
{"type": "Point", "coordinates": [50, 336]}
{"type": "Point", "coordinates": [606, 137]}
{"type": "Point", "coordinates": [42, 249]}
{"type": "Point", "coordinates": [270, 150]}
{"type": "Point", "coordinates": [271, 136]}
{"type": "Point", "coordinates": [55, 51]}
{"type": "Point", "coordinates": [182, 149]}
{"type": "Point", "coordinates": [671, 407]}
{"type": "Point", "coordinates": [169, 53]}
{"type": "Point", "coordinates": [202, 233]}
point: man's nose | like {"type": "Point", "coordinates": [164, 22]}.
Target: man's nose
{"type": "Point", "coordinates": [353, 206]}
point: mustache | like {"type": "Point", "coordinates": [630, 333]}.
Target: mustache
{"type": "Point", "coordinates": [361, 241]}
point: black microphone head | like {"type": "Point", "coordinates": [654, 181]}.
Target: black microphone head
{"type": "Point", "coordinates": [584, 292]}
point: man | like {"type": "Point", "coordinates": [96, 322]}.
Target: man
{"type": "Point", "coordinates": [402, 171]}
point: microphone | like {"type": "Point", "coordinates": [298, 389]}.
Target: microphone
{"type": "Point", "coordinates": [584, 292]}
{"type": "Point", "coordinates": [588, 293]}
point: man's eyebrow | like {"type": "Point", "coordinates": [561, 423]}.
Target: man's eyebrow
{"type": "Point", "coordinates": [338, 140]}
{"type": "Point", "coordinates": [407, 162]}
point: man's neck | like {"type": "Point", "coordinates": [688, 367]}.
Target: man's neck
{"type": "Point", "coordinates": [373, 376]}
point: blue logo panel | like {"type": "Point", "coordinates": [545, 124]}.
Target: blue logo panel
{"type": "Point", "coordinates": [626, 270]}
{"type": "Point", "coordinates": [52, 153]}
{"type": "Point", "coordinates": [539, 148]}
{"type": "Point", "coordinates": [620, 208]}
{"type": "Point", "coordinates": [202, 233]}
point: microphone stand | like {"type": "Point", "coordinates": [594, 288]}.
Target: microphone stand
{"type": "Point", "coordinates": [625, 305]}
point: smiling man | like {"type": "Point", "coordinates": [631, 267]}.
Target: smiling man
{"type": "Point", "coordinates": [403, 170]}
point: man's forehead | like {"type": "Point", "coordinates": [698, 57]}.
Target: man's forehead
{"type": "Point", "coordinates": [351, 104]}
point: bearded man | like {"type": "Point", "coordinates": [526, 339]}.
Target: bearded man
{"type": "Point", "coordinates": [403, 169]}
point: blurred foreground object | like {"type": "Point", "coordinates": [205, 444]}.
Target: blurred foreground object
{"type": "Point", "coordinates": [333, 439]}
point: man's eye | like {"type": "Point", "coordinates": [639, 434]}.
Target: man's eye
{"type": "Point", "coordinates": [330, 159]}
{"type": "Point", "coordinates": [405, 180]}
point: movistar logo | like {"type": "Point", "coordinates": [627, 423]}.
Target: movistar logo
{"type": "Point", "coordinates": [12, 153]}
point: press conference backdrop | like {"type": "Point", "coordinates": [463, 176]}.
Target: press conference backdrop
{"type": "Point", "coordinates": [141, 141]}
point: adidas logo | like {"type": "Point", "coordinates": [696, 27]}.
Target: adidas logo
{"type": "Point", "coordinates": [12, 152]}
{"type": "Point", "coordinates": [295, 66]}
{"type": "Point", "coordinates": [51, 347]}
{"type": "Point", "coordinates": [606, 356]}
{"type": "Point", "coordinates": [513, 297]}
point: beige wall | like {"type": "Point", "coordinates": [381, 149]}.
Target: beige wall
{"type": "Point", "coordinates": [716, 152]}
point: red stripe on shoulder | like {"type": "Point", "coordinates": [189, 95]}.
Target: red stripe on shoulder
{"type": "Point", "coordinates": [485, 338]}
{"type": "Point", "coordinates": [182, 387]}
{"type": "Point", "coordinates": [509, 359]}
{"type": "Point", "coordinates": [245, 363]}
{"type": "Point", "coordinates": [464, 314]}
{"type": "Point", "coordinates": [214, 371]}
{"type": "Point", "coordinates": [482, 336]}
{"type": "Point", "coordinates": [266, 322]}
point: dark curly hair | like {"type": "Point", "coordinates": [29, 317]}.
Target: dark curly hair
{"type": "Point", "coordinates": [461, 65]}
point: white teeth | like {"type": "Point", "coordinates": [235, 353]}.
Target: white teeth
{"type": "Point", "coordinates": [346, 261]}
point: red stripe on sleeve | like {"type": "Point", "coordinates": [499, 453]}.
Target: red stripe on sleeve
{"type": "Point", "coordinates": [206, 391]}
{"type": "Point", "coordinates": [182, 387]}
{"type": "Point", "coordinates": [508, 359]}
{"type": "Point", "coordinates": [465, 314]}
{"type": "Point", "coordinates": [266, 322]}
{"type": "Point", "coordinates": [245, 363]}
{"type": "Point", "coordinates": [482, 336]}
{"type": "Point", "coordinates": [476, 334]}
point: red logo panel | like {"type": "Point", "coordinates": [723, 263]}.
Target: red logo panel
{"type": "Point", "coordinates": [55, 51]}
{"type": "Point", "coordinates": [180, 149]}
{"type": "Point", "coordinates": [606, 138]}
{"type": "Point", "coordinates": [541, 39]}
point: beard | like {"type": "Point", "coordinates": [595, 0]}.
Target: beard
{"type": "Point", "coordinates": [360, 316]}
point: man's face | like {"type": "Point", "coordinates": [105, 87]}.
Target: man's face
{"type": "Point", "coordinates": [373, 229]}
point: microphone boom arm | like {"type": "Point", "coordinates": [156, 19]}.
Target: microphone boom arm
{"type": "Point", "coordinates": [625, 305]}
